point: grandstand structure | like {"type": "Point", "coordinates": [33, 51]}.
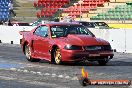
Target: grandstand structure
{"type": "Point", "coordinates": [96, 10]}
{"type": "Point", "coordinates": [110, 11]}
{"type": "Point", "coordinates": [50, 7]}
{"type": "Point", "coordinates": [121, 12]}
{"type": "Point", "coordinates": [25, 11]}
{"type": "Point", "coordinates": [4, 10]}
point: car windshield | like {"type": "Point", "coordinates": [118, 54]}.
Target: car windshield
{"type": "Point", "coordinates": [101, 24]}
{"type": "Point", "coordinates": [88, 24]}
{"type": "Point", "coordinates": [64, 30]}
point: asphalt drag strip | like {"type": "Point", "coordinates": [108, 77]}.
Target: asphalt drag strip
{"type": "Point", "coordinates": [17, 72]}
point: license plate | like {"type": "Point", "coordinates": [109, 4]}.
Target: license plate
{"type": "Point", "coordinates": [93, 55]}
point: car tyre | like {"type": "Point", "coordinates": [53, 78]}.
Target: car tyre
{"type": "Point", "coordinates": [103, 62]}
{"type": "Point", "coordinates": [57, 56]}
{"type": "Point", "coordinates": [28, 54]}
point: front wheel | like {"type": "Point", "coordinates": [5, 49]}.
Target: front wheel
{"type": "Point", "coordinates": [57, 56]}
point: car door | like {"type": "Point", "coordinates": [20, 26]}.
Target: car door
{"type": "Point", "coordinates": [41, 42]}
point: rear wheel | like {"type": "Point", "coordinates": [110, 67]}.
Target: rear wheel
{"type": "Point", "coordinates": [103, 62]}
{"type": "Point", "coordinates": [28, 54]}
{"type": "Point", "coordinates": [57, 56]}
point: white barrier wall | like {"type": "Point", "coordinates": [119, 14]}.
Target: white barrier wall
{"type": "Point", "coordinates": [120, 39]}
{"type": "Point", "coordinates": [11, 33]}
{"type": "Point", "coordinates": [128, 41]}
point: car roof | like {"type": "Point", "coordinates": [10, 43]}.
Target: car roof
{"type": "Point", "coordinates": [91, 21]}
{"type": "Point", "coordinates": [60, 23]}
{"type": "Point", "coordinates": [84, 21]}
{"type": "Point", "coordinates": [99, 22]}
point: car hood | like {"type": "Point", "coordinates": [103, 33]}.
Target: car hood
{"type": "Point", "coordinates": [81, 40]}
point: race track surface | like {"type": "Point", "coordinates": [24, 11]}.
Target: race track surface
{"type": "Point", "coordinates": [17, 72]}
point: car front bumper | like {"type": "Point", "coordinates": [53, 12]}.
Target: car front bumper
{"type": "Point", "coordinates": [74, 55]}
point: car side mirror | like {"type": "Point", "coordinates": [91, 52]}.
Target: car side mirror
{"type": "Point", "coordinates": [46, 35]}
{"type": "Point", "coordinates": [93, 35]}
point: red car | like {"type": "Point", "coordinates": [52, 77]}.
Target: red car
{"type": "Point", "coordinates": [64, 42]}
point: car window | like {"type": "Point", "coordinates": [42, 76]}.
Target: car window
{"type": "Point", "coordinates": [64, 30]}
{"type": "Point", "coordinates": [42, 31]}
{"type": "Point", "coordinates": [88, 24]}
{"type": "Point", "coordinates": [103, 24]}
{"type": "Point", "coordinates": [83, 31]}
{"type": "Point", "coordinates": [57, 31]}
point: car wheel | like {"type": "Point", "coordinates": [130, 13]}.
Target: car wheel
{"type": "Point", "coordinates": [57, 56]}
{"type": "Point", "coordinates": [103, 62]}
{"type": "Point", "coordinates": [28, 54]}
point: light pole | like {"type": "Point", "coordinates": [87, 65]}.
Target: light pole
{"type": "Point", "coordinates": [80, 2]}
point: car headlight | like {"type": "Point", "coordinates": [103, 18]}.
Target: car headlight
{"type": "Point", "coordinates": [73, 47]}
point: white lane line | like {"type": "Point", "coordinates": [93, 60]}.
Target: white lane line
{"type": "Point", "coordinates": [33, 72]}
{"type": "Point", "coordinates": [67, 77]}
{"type": "Point", "coordinates": [26, 71]}
{"type": "Point", "coordinates": [39, 73]}
{"type": "Point", "coordinates": [60, 76]}
{"type": "Point", "coordinates": [74, 78]}
{"type": "Point", "coordinates": [13, 69]}
{"type": "Point", "coordinates": [45, 74]}
{"type": "Point", "coordinates": [53, 75]}
{"type": "Point", "coordinates": [19, 70]}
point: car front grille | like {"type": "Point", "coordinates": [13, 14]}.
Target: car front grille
{"type": "Point", "coordinates": [94, 48]}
